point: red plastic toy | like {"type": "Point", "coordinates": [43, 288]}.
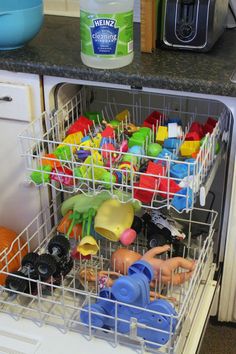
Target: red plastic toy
{"type": "Point", "coordinates": [168, 186]}
{"type": "Point", "coordinates": [210, 125]}
{"type": "Point", "coordinates": [197, 128]}
{"type": "Point", "coordinates": [81, 125]}
{"type": "Point", "coordinates": [63, 175]}
{"type": "Point", "coordinates": [153, 119]}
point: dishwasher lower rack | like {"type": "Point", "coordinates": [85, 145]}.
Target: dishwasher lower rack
{"type": "Point", "coordinates": [60, 303]}
{"type": "Point", "coordinates": [166, 180]}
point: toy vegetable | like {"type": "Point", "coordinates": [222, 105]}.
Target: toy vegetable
{"type": "Point", "coordinates": [164, 269]}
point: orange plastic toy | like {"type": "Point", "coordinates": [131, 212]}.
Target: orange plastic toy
{"type": "Point", "coordinates": [7, 251]}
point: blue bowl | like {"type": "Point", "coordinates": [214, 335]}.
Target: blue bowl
{"type": "Point", "coordinates": [20, 21]}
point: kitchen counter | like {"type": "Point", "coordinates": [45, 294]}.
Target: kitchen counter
{"type": "Point", "coordinates": [56, 52]}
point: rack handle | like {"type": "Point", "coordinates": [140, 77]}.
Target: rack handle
{"type": "Point", "coordinates": [6, 99]}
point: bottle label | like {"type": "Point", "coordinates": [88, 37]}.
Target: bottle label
{"type": "Point", "coordinates": [109, 35]}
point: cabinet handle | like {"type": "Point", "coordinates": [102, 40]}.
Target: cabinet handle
{"type": "Point", "coordinates": [6, 99]}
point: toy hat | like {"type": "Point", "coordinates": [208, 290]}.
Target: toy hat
{"type": "Point", "coordinates": [113, 218]}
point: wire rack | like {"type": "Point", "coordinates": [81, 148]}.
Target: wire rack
{"type": "Point", "coordinates": [150, 180]}
{"type": "Point", "coordinates": [60, 303]}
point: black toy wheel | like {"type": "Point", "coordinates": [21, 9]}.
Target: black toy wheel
{"type": "Point", "coordinates": [61, 244]}
{"type": "Point", "coordinates": [46, 266]}
{"type": "Point", "coordinates": [65, 268]}
{"type": "Point", "coordinates": [137, 224]}
{"type": "Point", "coordinates": [14, 283]}
{"type": "Point", "coordinates": [29, 260]}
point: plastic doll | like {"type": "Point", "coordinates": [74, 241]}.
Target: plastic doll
{"type": "Point", "coordinates": [164, 270]}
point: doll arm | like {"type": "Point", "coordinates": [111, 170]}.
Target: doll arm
{"type": "Point", "coordinates": [154, 252]}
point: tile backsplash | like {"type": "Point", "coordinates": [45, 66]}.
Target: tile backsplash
{"type": "Point", "coordinates": [71, 8]}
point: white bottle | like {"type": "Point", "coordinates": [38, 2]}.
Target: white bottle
{"type": "Point", "coordinates": [106, 30]}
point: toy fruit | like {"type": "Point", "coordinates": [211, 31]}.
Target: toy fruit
{"type": "Point", "coordinates": [11, 250]}
{"type": "Point", "coordinates": [113, 218]}
{"type": "Point", "coordinates": [122, 258]}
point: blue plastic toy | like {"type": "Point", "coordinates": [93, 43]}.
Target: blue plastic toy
{"type": "Point", "coordinates": [181, 202]}
{"type": "Point", "coordinates": [171, 143]}
{"type": "Point", "coordinates": [133, 290]}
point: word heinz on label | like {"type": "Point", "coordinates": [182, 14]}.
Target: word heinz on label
{"type": "Point", "coordinates": [104, 22]}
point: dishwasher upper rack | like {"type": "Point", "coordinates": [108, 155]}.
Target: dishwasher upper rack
{"type": "Point", "coordinates": [158, 187]}
{"type": "Point", "coordinates": [60, 305]}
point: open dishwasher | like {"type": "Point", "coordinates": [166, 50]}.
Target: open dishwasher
{"type": "Point", "coordinates": [173, 316]}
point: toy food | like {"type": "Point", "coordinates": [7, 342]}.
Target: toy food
{"type": "Point", "coordinates": [113, 218]}
{"type": "Point", "coordinates": [122, 258]}
{"type": "Point", "coordinates": [8, 250]}
{"type": "Point", "coordinates": [164, 269]}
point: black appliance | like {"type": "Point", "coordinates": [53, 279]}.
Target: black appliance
{"type": "Point", "coordinates": [193, 24]}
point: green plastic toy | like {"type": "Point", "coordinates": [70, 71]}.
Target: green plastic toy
{"type": "Point", "coordinates": [42, 176]}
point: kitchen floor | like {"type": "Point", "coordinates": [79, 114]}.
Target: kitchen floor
{"type": "Point", "coordinates": [219, 338]}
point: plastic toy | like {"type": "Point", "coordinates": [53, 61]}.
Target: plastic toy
{"type": "Point", "coordinates": [12, 251]}
{"type": "Point", "coordinates": [130, 129]}
{"type": "Point", "coordinates": [63, 175]}
{"type": "Point", "coordinates": [88, 245]}
{"type": "Point", "coordinates": [96, 117]}
{"type": "Point", "coordinates": [183, 199]}
{"type": "Point", "coordinates": [179, 171]}
{"type": "Point", "coordinates": [174, 130]}
{"type": "Point", "coordinates": [209, 126]}
{"type": "Point", "coordinates": [73, 139]}
{"type": "Point", "coordinates": [189, 147]}
{"type": "Point", "coordinates": [162, 134]}
{"type": "Point", "coordinates": [165, 154]}
{"type": "Point", "coordinates": [50, 160]}
{"type": "Point", "coordinates": [42, 175]}
{"type": "Point", "coordinates": [113, 218]}
{"type": "Point", "coordinates": [156, 169]}
{"type": "Point", "coordinates": [193, 136]}
{"type": "Point", "coordinates": [63, 153]}
{"type": "Point", "coordinates": [154, 149]}
{"type": "Point", "coordinates": [153, 120]}
{"type": "Point", "coordinates": [122, 116]}
{"type": "Point", "coordinates": [164, 270]}
{"type": "Point", "coordinates": [82, 124]}
{"type": "Point", "coordinates": [133, 290]}
{"type": "Point", "coordinates": [132, 159]}
{"type": "Point", "coordinates": [66, 228]}
{"type": "Point", "coordinates": [167, 188]}
{"type": "Point", "coordinates": [198, 128]}
{"type": "Point", "coordinates": [57, 261]}
{"type": "Point", "coordinates": [108, 133]}
{"type": "Point", "coordinates": [122, 259]}
{"type": "Point", "coordinates": [14, 283]}
{"type": "Point", "coordinates": [137, 139]}
{"type": "Point", "coordinates": [171, 143]}
{"type": "Point", "coordinates": [136, 150]}
{"type": "Point", "coordinates": [147, 133]}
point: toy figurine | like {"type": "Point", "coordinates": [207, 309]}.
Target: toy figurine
{"type": "Point", "coordinates": [164, 269]}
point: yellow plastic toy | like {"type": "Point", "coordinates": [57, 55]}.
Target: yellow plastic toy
{"type": "Point", "coordinates": [122, 116]}
{"type": "Point", "coordinates": [188, 148]}
{"type": "Point", "coordinates": [162, 134]}
{"type": "Point", "coordinates": [93, 163]}
{"type": "Point", "coordinates": [113, 218]}
{"type": "Point", "coordinates": [74, 139]}
{"type": "Point", "coordinates": [97, 140]}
